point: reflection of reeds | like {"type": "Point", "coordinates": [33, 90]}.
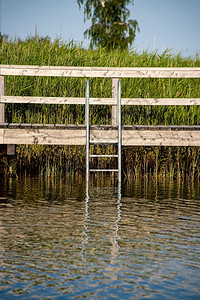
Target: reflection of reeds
{"type": "Point", "coordinates": [136, 160]}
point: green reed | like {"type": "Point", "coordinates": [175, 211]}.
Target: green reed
{"type": "Point", "coordinates": [173, 161]}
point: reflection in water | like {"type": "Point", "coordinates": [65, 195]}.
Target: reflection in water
{"type": "Point", "coordinates": [58, 240]}
{"type": "Point", "coordinates": [113, 229]}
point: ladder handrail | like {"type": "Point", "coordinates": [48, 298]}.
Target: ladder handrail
{"type": "Point", "coordinates": [119, 124]}
{"type": "Point", "coordinates": [87, 121]}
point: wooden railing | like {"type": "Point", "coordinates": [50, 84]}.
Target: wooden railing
{"type": "Point", "coordinates": [132, 135]}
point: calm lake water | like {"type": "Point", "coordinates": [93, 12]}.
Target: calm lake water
{"type": "Point", "coordinates": [56, 243]}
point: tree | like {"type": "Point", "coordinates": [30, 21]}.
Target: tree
{"type": "Point", "coordinates": [3, 37]}
{"type": "Point", "coordinates": [110, 25]}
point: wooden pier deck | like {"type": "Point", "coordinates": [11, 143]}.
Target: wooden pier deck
{"type": "Point", "coordinates": [60, 134]}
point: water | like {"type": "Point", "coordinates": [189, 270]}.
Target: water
{"type": "Point", "coordinates": [57, 244]}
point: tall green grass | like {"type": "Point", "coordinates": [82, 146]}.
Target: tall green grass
{"type": "Point", "coordinates": [136, 160]}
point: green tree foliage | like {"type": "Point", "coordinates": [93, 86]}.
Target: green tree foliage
{"type": "Point", "coordinates": [110, 27]}
{"type": "Point", "coordinates": [3, 37]}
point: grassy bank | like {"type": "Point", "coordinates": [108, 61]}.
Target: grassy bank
{"type": "Point", "coordinates": [136, 160]}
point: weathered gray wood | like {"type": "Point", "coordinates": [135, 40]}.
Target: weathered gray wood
{"type": "Point", "coordinates": [13, 125]}
{"type": "Point", "coordinates": [46, 100]}
{"type": "Point", "coordinates": [161, 138]}
{"type": "Point", "coordinates": [60, 126]}
{"type": "Point", "coordinates": [109, 72]}
{"type": "Point", "coordinates": [78, 137]}
{"type": "Point", "coordinates": [55, 100]}
{"type": "Point", "coordinates": [2, 106]}
{"type": "Point", "coordinates": [102, 128]}
{"type": "Point", "coordinates": [25, 125]}
{"type": "Point", "coordinates": [37, 126]}
{"type": "Point", "coordinates": [160, 101]}
{"type": "Point", "coordinates": [4, 125]}
{"type": "Point", "coordinates": [44, 136]}
{"type": "Point", "coordinates": [114, 97]}
{"type": "Point", "coordinates": [1, 136]}
{"type": "Point", "coordinates": [71, 126]}
{"type": "Point", "coordinates": [100, 101]}
{"type": "Point", "coordinates": [10, 148]}
{"type": "Point", "coordinates": [49, 126]}
{"type": "Point", "coordinates": [75, 135]}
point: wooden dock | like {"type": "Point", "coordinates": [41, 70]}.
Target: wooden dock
{"type": "Point", "coordinates": [60, 134]}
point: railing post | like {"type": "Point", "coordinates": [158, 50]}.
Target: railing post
{"type": "Point", "coordinates": [10, 148]}
{"type": "Point", "coordinates": [114, 107]}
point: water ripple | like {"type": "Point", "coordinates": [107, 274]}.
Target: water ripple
{"type": "Point", "coordinates": [55, 243]}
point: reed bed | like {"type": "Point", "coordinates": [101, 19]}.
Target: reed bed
{"type": "Point", "coordinates": [137, 161]}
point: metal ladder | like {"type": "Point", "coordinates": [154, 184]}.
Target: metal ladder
{"type": "Point", "coordinates": [102, 142]}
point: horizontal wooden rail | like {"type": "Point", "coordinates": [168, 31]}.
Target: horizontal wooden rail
{"type": "Point", "coordinates": [138, 135]}
{"type": "Point", "coordinates": [99, 101]}
{"type": "Point", "coordinates": [104, 72]}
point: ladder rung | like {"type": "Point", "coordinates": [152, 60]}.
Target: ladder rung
{"type": "Point", "coordinates": [98, 155]}
{"type": "Point", "coordinates": [104, 142]}
{"type": "Point", "coordinates": [103, 170]}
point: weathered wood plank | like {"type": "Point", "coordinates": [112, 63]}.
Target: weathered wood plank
{"type": "Point", "coordinates": [78, 137]}
{"type": "Point", "coordinates": [1, 136]}
{"type": "Point", "coordinates": [4, 125]}
{"type": "Point", "coordinates": [43, 100]}
{"type": "Point", "coordinates": [49, 126]}
{"type": "Point", "coordinates": [44, 136]}
{"type": "Point", "coordinates": [13, 125]}
{"type": "Point", "coordinates": [100, 127]}
{"type": "Point", "coordinates": [160, 101]}
{"type": "Point", "coordinates": [108, 72]}
{"type": "Point", "coordinates": [55, 100]}
{"type": "Point", "coordinates": [99, 101]}
{"type": "Point", "coordinates": [26, 125]}
{"type": "Point", "coordinates": [161, 138]}
{"type": "Point", "coordinates": [103, 135]}
{"type": "Point", "coordinates": [60, 126]}
{"type": "Point", "coordinates": [10, 149]}
{"type": "Point", "coordinates": [114, 98]}
{"type": "Point", "coordinates": [161, 127]}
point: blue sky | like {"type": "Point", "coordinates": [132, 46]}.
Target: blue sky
{"type": "Point", "coordinates": [173, 24]}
